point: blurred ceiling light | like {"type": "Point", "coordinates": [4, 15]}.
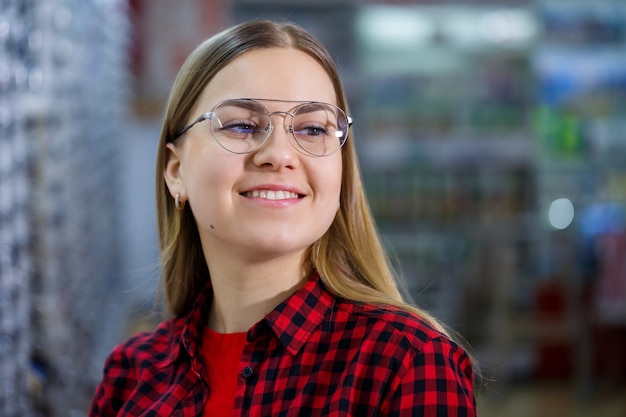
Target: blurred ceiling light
{"type": "Point", "coordinates": [408, 27]}
{"type": "Point", "coordinates": [508, 26]}
{"type": "Point", "coordinates": [438, 39]}
{"type": "Point", "coordinates": [394, 27]}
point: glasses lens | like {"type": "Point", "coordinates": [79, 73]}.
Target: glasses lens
{"type": "Point", "coordinates": [320, 128]}
{"type": "Point", "coordinates": [240, 126]}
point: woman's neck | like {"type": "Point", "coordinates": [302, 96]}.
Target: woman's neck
{"type": "Point", "coordinates": [244, 294]}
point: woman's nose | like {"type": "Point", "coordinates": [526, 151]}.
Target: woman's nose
{"type": "Point", "coordinates": [278, 151]}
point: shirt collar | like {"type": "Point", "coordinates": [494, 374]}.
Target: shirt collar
{"type": "Point", "coordinates": [292, 321]}
{"type": "Point", "coordinates": [298, 316]}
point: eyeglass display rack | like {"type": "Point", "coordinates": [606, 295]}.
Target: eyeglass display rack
{"type": "Point", "coordinates": [64, 89]}
{"type": "Point", "coordinates": [15, 231]}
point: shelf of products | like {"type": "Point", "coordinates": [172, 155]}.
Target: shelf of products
{"type": "Point", "coordinates": [579, 128]}
{"type": "Point", "coordinates": [448, 159]}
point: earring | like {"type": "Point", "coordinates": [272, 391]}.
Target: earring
{"type": "Point", "coordinates": [178, 203]}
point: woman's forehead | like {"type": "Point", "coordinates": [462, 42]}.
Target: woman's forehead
{"type": "Point", "coordinates": [272, 73]}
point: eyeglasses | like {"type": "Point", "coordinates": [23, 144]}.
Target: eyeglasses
{"type": "Point", "coordinates": [243, 125]}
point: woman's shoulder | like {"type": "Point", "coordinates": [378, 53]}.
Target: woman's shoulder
{"type": "Point", "coordinates": [155, 345]}
{"type": "Point", "coordinates": [390, 321]}
{"type": "Point", "coordinates": [429, 371]}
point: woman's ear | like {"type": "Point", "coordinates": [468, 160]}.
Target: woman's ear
{"type": "Point", "coordinates": [172, 172]}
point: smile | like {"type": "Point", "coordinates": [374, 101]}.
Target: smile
{"type": "Point", "coordinates": [272, 195]}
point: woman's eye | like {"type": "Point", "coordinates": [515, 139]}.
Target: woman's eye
{"type": "Point", "coordinates": [241, 128]}
{"type": "Point", "coordinates": [312, 131]}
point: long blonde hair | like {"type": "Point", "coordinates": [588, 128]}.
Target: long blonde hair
{"type": "Point", "coordinates": [349, 256]}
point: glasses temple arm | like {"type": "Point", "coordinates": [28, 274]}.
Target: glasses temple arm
{"type": "Point", "coordinates": [202, 117]}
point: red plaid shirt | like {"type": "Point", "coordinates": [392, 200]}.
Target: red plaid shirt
{"type": "Point", "coordinates": [314, 355]}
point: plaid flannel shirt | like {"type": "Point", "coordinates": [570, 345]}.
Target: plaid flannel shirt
{"type": "Point", "coordinates": [313, 355]}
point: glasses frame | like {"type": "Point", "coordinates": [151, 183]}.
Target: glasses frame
{"type": "Point", "coordinates": [292, 113]}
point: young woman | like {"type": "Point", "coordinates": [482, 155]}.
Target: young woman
{"type": "Point", "coordinates": [282, 299]}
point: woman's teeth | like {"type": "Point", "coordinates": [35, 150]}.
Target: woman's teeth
{"type": "Point", "coordinates": [271, 195]}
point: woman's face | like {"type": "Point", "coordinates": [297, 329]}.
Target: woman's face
{"type": "Point", "coordinates": [275, 201]}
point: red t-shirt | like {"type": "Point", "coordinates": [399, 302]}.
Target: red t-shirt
{"type": "Point", "coordinates": [222, 353]}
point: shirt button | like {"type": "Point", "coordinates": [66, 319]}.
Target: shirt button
{"type": "Point", "coordinates": [247, 372]}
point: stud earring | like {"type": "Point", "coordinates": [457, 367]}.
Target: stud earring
{"type": "Point", "coordinates": [178, 203]}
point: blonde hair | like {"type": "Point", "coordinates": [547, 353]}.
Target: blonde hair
{"type": "Point", "coordinates": [349, 257]}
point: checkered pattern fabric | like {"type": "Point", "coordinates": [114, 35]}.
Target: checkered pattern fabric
{"type": "Point", "coordinates": [314, 355]}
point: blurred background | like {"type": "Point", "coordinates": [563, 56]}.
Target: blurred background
{"type": "Point", "coordinates": [492, 139]}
